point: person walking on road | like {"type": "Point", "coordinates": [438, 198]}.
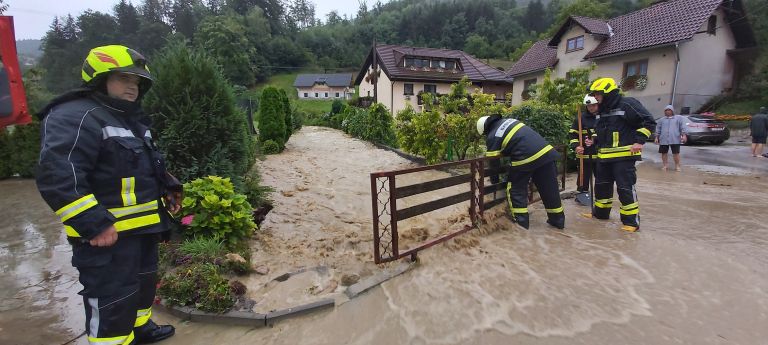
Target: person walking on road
{"type": "Point", "coordinates": [758, 127]}
{"type": "Point", "coordinates": [582, 135]}
{"type": "Point", "coordinates": [670, 133]}
{"type": "Point", "coordinates": [623, 127]}
{"type": "Point", "coordinates": [532, 158]}
{"type": "Point", "coordinates": [102, 174]}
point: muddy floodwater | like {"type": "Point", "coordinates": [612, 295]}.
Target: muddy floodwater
{"type": "Point", "coordinates": [697, 273]}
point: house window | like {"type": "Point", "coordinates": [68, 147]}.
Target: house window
{"type": "Point", "coordinates": [430, 88]}
{"type": "Point", "coordinates": [636, 68]}
{"type": "Point", "coordinates": [326, 95]}
{"type": "Point", "coordinates": [306, 95]}
{"type": "Point", "coordinates": [450, 65]}
{"type": "Point", "coordinates": [409, 62]}
{"type": "Point", "coordinates": [408, 89]}
{"type": "Point", "coordinates": [337, 95]}
{"type": "Point", "coordinates": [316, 95]}
{"type": "Point", "coordinates": [712, 25]}
{"type": "Point", "coordinates": [528, 87]}
{"type": "Point", "coordinates": [574, 44]}
{"type": "Point", "coordinates": [369, 93]}
{"type": "Point", "coordinates": [419, 63]}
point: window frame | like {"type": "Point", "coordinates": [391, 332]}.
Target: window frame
{"type": "Point", "coordinates": [637, 64]}
{"type": "Point", "coordinates": [434, 86]}
{"type": "Point", "coordinates": [576, 46]}
{"type": "Point", "coordinates": [405, 89]}
{"type": "Point", "coordinates": [712, 25]}
{"type": "Point", "coordinates": [306, 95]}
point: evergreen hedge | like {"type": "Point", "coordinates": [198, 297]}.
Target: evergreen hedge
{"type": "Point", "coordinates": [196, 122]}
{"type": "Point", "coordinates": [272, 117]}
{"type": "Point", "coordinates": [286, 106]}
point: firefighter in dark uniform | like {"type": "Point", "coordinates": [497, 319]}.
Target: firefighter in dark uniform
{"type": "Point", "coordinates": [102, 174]}
{"type": "Point", "coordinates": [531, 158]}
{"type": "Point", "coordinates": [586, 153]}
{"type": "Point", "coordinates": [623, 126]}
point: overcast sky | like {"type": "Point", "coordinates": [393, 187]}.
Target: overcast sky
{"type": "Point", "coordinates": [33, 17]}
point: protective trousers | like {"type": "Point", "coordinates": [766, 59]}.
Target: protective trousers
{"type": "Point", "coordinates": [624, 174]}
{"type": "Point", "coordinates": [589, 166]}
{"type": "Point", "coordinates": [120, 283]}
{"type": "Point", "coordinates": [545, 180]}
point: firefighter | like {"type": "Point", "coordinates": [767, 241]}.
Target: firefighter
{"type": "Point", "coordinates": [532, 158]}
{"type": "Point", "coordinates": [623, 126]}
{"type": "Point", "coordinates": [587, 154]}
{"type": "Point", "coordinates": [102, 174]}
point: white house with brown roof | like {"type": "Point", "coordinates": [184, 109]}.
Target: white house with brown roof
{"type": "Point", "coordinates": [324, 86]}
{"type": "Point", "coordinates": [405, 72]}
{"type": "Point", "coordinates": [679, 52]}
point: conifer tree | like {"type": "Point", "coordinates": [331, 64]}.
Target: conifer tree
{"type": "Point", "coordinates": [271, 117]}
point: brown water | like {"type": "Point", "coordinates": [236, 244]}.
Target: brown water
{"type": "Point", "coordinates": [695, 274]}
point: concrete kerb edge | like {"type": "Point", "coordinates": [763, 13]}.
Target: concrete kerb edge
{"type": "Point", "coordinates": [377, 279]}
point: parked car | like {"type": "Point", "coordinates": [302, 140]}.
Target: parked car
{"type": "Point", "coordinates": [705, 128]}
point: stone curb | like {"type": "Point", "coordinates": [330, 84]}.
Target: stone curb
{"type": "Point", "coordinates": [376, 280]}
{"type": "Point", "coordinates": [288, 313]}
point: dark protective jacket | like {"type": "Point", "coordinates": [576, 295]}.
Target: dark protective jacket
{"type": "Point", "coordinates": [511, 138]}
{"type": "Point", "coordinates": [588, 122]}
{"type": "Point", "coordinates": [758, 125]}
{"type": "Point", "coordinates": [623, 122]}
{"type": "Point", "coordinates": [99, 166]}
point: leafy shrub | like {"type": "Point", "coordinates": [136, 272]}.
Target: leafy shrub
{"type": "Point", "coordinates": [202, 249]}
{"type": "Point", "coordinates": [256, 194]}
{"type": "Point", "coordinates": [373, 124]}
{"type": "Point", "coordinates": [195, 119]}
{"type": "Point", "coordinates": [25, 149]}
{"type": "Point", "coordinates": [551, 124]}
{"type": "Point", "coordinates": [200, 285]}
{"type": "Point", "coordinates": [219, 212]}
{"type": "Point", "coordinates": [297, 118]}
{"type": "Point", "coordinates": [6, 166]}
{"type": "Point", "coordinates": [286, 107]}
{"type": "Point", "coordinates": [270, 147]}
{"type": "Point", "coordinates": [337, 106]}
{"type": "Point", "coordinates": [272, 117]}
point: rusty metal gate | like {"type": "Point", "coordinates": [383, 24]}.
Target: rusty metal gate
{"type": "Point", "coordinates": [385, 193]}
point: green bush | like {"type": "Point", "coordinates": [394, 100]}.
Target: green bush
{"type": "Point", "coordinates": [256, 194]}
{"type": "Point", "coordinates": [25, 149]}
{"type": "Point", "coordinates": [337, 107]}
{"type": "Point", "coordinates": [270, 147]}
{"type": "Point", "coordinates": [551, 124]}
{"type": "Point", "coordinates": [373, 124]}
{"type": "Point", "coordinates": [286, 107]}
{"type": "Point", "coordinates": [197, 124]}
{"type": "Point", "coordinates": [219, 212]}
{"type": "Point", "coordinates": [202, 249]}
{"type": "Point", "coordinates": [6, 162]}
{"type": "Point", "coordinates": [200, 285]}
{"type": "Point", "coordinates": [272, 117]}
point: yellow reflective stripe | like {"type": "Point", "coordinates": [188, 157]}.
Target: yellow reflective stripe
{"type": "Point", "coordinates": [574, 141]}
{"type": "Point", "coordinates": [603, 203]}
{"type": "Point", "coordinates": [492, 153]}
{"type": "Point", "coordinates": [645, 131]}
{"type": "Point", "coordinates": [133, 223]}
{"type": "Point", "coordinates": [555, 210]}
{"type": "Point", "coordinates": [123, 225]}
{"type": "Point", "coordinates": [630, 212]}
{"type": "Point", "coordinates": [76, 207]}
{"type": "Point", "coordinates": [615, 139]}
{"type": "Point", "coordinates": [519, 210]}
{"type": "Point", "coordinates": [142, 317]}
{"type": "Point", "coordinates": [510, 135]}
{"type": "Point", "coordinates": [128, 191]}
{"type": "Point", "coordinates": [630, 206]}
{"type": "Point", "coordinates": [119, 212]}
{"type": "Point", "coordinates": [573, 131]}
{"type": "Point", "coordinates": [586, 156]}
{"type": "Point", "coordinates": [124, 340]}
{"type": "Point", "coordinates": [618, 154]}
{"type": "Point", "coordinates": [615, 149]}
{"type": "Point", "coordinates": [534, 157]}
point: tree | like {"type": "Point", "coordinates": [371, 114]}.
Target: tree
{"type": "Point", "coordinates": [60, 62]}
{"type": "Point", "coordinates": [285, 102]}
{"type": "Point", "coordinates": [194, 115]}
{"type": "Point", "coordinates": [223, 37]}
{"type": "Point", "coordinates": [185, 17]}
{"type": "Point", "coordinates": [535, 17]}
{"type": "Point", "coordinates": [127, 17]}
{"type": "Point", "coordinates": [271, 117]}
{"type": "Point", "coordinates": [478, 46]}
{"type": "Point", "coordinates": [96, 29]}
{"type": "Point", "coordinates": [333, 18]}
{"type": "Point", "coordinates": [564, 94]}
{"type": "Point", "coordinates": [454, 32]}
{"type": "Point", "coordinates": [302, 12]}
{"type": "Point", "coordinates": [585, 8]}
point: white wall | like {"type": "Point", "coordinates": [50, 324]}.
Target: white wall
{"type": "Point", "coordinates": [519, 83]}
{"type": "Point", "coordinates": [569, 61]}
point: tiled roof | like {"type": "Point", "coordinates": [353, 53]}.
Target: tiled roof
{"type": "Point", "coordinates": [592, 25]}
{"type": "Point", "coordinates": [333, 80]}
{"type": "Point", "coordinates": [537, 58]}
{"type": "Point", "coordinates": [663, 23]}
{"type": "Point", "coordinates": [391, 60]}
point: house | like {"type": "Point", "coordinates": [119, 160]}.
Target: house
{"type": "Point", "coordinates": [409, 71]}
{"type": "Point", "coordinates": [679, 52]}
{"type": "Point", "coordinates": [324, 86]}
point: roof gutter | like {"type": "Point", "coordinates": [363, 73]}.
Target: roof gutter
{"type": "Point", "coordinates": [626, 52]}
{"type": "Point", "coordinates": [677, 71]}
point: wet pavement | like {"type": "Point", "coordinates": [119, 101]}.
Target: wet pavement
{"type": "Point", "coordinates": [697, 273]}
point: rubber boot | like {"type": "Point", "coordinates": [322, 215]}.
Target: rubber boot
{"type": "Point", "coordinates": [522, 220]}
{"type": "Point", "coordinates": [556, 220]}
{"type": "Point", "coordinates": [152, 332]}
{"type": "Point", "coordinates": [630, 228]}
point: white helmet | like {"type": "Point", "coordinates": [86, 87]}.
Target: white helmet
{"type": "Point", "coordinates": [589, 99]}
{"type": "Point", "coordinates": [481, 124]}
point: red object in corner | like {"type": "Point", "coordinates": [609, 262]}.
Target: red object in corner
{"type": "Point", "coordinates": [13, 101]}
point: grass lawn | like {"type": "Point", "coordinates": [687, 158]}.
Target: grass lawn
{"type": "Point", "coordinates": [285, 82]}
{"type": "Point", "coordinates": [740, 107]}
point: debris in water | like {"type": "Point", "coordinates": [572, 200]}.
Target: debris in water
{"type": "Point", "coordinates": [349, 279]}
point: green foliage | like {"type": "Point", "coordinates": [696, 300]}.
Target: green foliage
{"type": "Point", "coordinates": [224, 38]}
{"type": "Point", "coordinates": [373, 124]}
{"type": "Point", "coordinates": [565, 95]}
{"type": "Point", "coordinates": [337, 106]}
{"type": "Point", "coordinates": [287, 114]}
{"type": "Point", "coordinates": [25, 149]}
{"type": "Point", "coordinates": [219, 212]}
{"type": "Point", "coordinates": [272, 117]}
{"type": "Point", "coordinates": [192, 106]}
{"type": "Point", "coordinates": [202, 249]}
{"type": "Point", "coordinates": [584, 8]}
{"type": "Point", "coordinates": [544, 119]}
{"type": "Point", "coordinates": [270, 147]}
{"type": "Point", "coordinates": [198, 285]}
{"type": "Point", "coordinates": [256, 194]}
{"type": "Point", "coordinates": [520, 51]}
{"type": "Point", "coordinates": [6, 167]}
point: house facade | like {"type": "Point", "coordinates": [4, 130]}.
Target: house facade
{"type": "Point", "coordinates": [406, 72]}
{"type": "Point", "coordinates": [324, 86]}
{"type": "Point", "coordinates": [679, 52]}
